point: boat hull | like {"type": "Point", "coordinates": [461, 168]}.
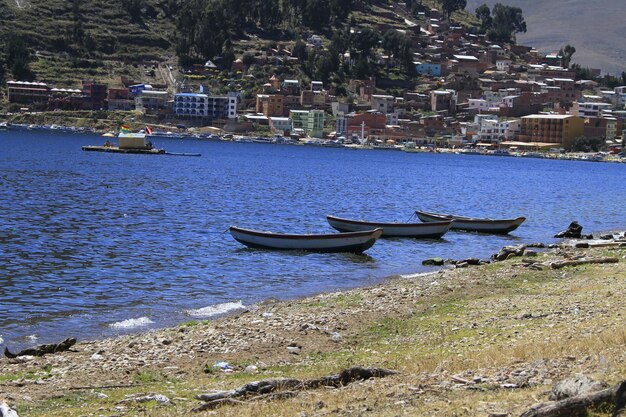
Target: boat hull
{"type": "Point", "coordinates": [115, 149]}
{"type": "Point", "coordinates": [433, 230]}
{"type": "Point", "coordinates": [495, 226]}
{"type": "Point", "coordinates": [335, 242]}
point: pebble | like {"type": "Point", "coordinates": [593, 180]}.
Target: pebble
{"type": "Point", "coordinates": [251, 369]}
{"type": "Point", "coordinates": [294, 350]}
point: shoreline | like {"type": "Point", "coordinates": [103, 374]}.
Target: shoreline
{"type": "Point", "coordinates": [322, 143]}
{"type": "Point", "coordinates": [333, 329]}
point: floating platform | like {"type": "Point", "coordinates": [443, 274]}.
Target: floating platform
{"type": "Point", "coordinates": [115, 149]}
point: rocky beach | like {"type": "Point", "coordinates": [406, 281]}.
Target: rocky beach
{"type": "Point", "coordinates": [467, 340]}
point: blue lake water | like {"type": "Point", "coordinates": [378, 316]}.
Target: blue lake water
{"type": "Point", "coordinates": [91, 239]}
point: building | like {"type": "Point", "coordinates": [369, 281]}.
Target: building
{"type": "Point", "coordinates": [428, 69]}
{"type": "Point", "coordinates": [382, 103]}
{"type": "Point", "coordinates": [220, 107]}
{"type": "Point", "coordinates": [151, 101]}
{"type": "Point", "coordinates": [464, 63]}
{"type": "Point", "coordinates": [191, 105]}
{"type": "Point", "coordinates": [503, 64]}
{"type": "Point", "coordinates": [94, 95]}
{"type": "Point", "coordinates": [589, 109]}
{"type": "Point", "coordinates": [120, 99]}
{"type": "Point", "coordinates": [280, 125]}
{"type": "Point", "coordinates": [313, 98]}
{"type": "Point", "coordinates": [368, 126]}
{"type": "Point", "coordinates": [443, 100]}
{"type": "Point", "coordinates": [607, 128]}
{"type": "Point", "coordinates": [290, 88]}
{"type": "Point", "coordinates": [551, 129]}
{"type": "Point", "coordinates": [311, 122]}
{"type": "Point", "coordinates": [494, 130]}
{"type": "Point", "coordinates": [270, 105]}
{"type": "Point", "coordinates": [24, 92]}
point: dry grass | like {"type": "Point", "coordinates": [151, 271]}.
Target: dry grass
{"type": "Point", "coordinates": [502, 323]}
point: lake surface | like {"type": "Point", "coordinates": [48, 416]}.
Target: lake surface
{"type": "Point", "coordinates": [95, 244]}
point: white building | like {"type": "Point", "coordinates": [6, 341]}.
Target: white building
{"type": "Point", "coordinates": [590, 109]}
{"type": "Point", "coordinates": [498, 130]}
{"type": "Point", "coordinates": [382, 103]}
{"type": "Point", "coordinates": [204, 105]}
{"type": "Point", "coordinates": [503, 64]}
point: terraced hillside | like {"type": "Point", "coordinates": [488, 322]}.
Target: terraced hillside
{"type": "Point", "coordinates": [94, 28]}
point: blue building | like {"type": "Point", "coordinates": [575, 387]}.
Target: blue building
{"type": "Point", "coordinates": [191, 104]}
{"type": "Point", "coordinates": [206, 105]}
{"type": "Point", "coordinates": [428, 69]}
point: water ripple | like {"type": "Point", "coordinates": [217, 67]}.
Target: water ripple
{"type": "Point", "coordinates": [88, 239]}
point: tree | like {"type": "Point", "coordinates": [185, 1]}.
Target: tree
{"type": "Point", "coordinates": [228, 53]}
{"type": "Point", "coordinates": [567, 53]}
{"type": "Point", "coordinates": [18, 58]}
{"type": "Point", "coordinates": [3, 69]}
{"type": "Point", "coordinates": [451, 6]}
{"type": "Point", "coordinates": [365, 40]}
{"type": "Point", "coordinates": [134, 8]}
{"type": "Point", "coordinates": [248, 59]}
{"type": "Point", "coordinates": [484, 15]}
{"type": "Point", "coordinates": [299, 50]}
{"type": "Point", "coordinates": [507, 21]}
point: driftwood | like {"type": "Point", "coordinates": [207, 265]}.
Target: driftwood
{"type": "Point", "coordinates": [578, 405]}
{"type": "Point", "coordinates": [582, 261]}
{"type": "Point", "coordinates": [43, 349]}
{"type": "Point", "coordinates": [270, 389]}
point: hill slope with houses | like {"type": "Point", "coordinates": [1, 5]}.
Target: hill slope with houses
{"type": "Point", "coordinates": [596, 30]}
{"type": "Point", "coordinates": [377, 71]}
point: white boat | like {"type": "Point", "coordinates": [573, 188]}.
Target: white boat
{"type": "Point", "coordinates": [332, 242]}
{"type": "Point", "coordinates": [417, 230]}
{"type": "Point", "coordinates": [473, 224]}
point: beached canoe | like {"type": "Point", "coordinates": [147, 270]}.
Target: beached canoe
{"type": "Point", "coordinates": [333, 242]}
{"type": "Point", "coordinates": [416, 230]}
{"type": "Point", "coordinates": [473, 224]}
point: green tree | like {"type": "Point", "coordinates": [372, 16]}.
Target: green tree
{"type": "Point", "coordinates": [134, 8]}
{"type": "Point", "coordinates": [18, 58]}
{"type": "Point", "coordinates": [365, 40]}
{"type": "Point", "coordinates": [3, 69]}
{"type": "Point", "coordinates": [228, 53]}
{"type": "Point", "coordinates": [451, 6]}
{"type": "Point", "coordinates": [507, 21]}
{"type": "Point", "coordinates": [567, 54]}
{"type": "Point", "coordinates": [299, 50]}
{"type": "Point", "coordinates": [483, 13]}
{"type": "Point", "coordinates": [248, 59]}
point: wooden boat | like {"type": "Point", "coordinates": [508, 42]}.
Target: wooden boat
{"type": "Point", "coordinates": [432, 230]}
{"type": "Point", "coordinates": [473, 224]}
{"type": "Point", "coordinates": [333, 242]}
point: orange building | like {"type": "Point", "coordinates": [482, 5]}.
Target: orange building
{"type": "Point", "coordinates": [551, 128]}
{"type": "Point", "coordinates": [270, 105]}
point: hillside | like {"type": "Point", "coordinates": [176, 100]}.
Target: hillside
{"type": "Point", "coordinates": [596, 30]}
{"type": "Point", "coordinates": [84, 39]}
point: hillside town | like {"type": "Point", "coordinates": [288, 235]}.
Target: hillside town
{"type": "Point", "coordinates": [466, 92]}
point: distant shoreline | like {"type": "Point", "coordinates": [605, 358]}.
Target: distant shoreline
{"type": "Point", "coordinates": [576, 156]}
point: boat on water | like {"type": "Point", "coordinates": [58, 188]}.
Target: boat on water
{"type": "Point", "coordinates": [473, 224]}
{"type": "Point", "coordinates": [331, 242]}
{"type": "Point", "coordinates": [133, 143]}
{"type": "Point", "coordinates": [433, 230]}
{"type": "Point", "coordinates": [129, 143]}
